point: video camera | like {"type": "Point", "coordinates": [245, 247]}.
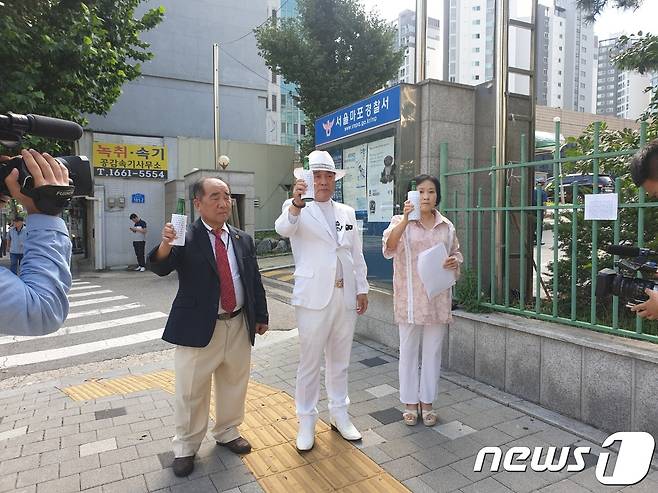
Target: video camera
{"type": "Point", "coordinates": [629, 288]}
{"type": "Point", "coordinates": [49, 199]}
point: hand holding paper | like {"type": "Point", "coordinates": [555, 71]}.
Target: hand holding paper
{"type": "Point", "coordinates": [434, 276]}
{"type": "Point", "coordinates": [179, 222]}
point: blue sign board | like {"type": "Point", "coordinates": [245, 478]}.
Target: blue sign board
{"type": "Point", "coordinates": [138, 198]}
{"type": "Point", "coordinates": [372, 112]}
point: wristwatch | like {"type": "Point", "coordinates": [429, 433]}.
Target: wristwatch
{"type": "Point", "coordinates": [298, 206]}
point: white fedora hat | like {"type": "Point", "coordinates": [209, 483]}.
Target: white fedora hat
{"type": "Point", "coordinates": [321, 161]}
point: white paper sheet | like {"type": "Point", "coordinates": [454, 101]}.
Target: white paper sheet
{"type": "Point", "coordinates": [434, 277]}
{"type": "Point", "coordinates": [179, 222]}
{"type": "Point", "coordinates": [601, 206]}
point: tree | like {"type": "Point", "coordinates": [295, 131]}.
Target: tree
{"type": "Point", "coordinates": [64, 58]}
{"type": "Point", "coordinates": [636, 51]}
{"type": "Point", "coordinates": [595, 7]}
{"type": "Point", "coordinates": [333, 51]}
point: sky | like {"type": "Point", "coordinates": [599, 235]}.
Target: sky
{"type": "Point", "coordinates": [611, 22]}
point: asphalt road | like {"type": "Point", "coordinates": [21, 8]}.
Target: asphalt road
{"type": "Point", "coordinates": [114, 316]}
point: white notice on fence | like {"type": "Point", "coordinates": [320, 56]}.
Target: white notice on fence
{"type": "Point", "coordinates": [601, 206]}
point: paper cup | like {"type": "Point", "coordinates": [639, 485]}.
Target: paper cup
{"type": "Point", "coordinates": [307, 176]}
{"type": "Point", "coordinates": [414, 197]}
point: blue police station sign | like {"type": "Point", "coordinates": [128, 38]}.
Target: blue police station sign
{"type": "Point", "coordinates": [369, 113]}
{"type": "Point", "coordinates": [138, 198]}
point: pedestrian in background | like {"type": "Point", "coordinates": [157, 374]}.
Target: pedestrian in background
{"type": "Point", "coordinates": [139, 240]}
{"type": "Point", "coordinates": [417, 315]}
{"type": "Point", "coordinates": [16, 240]}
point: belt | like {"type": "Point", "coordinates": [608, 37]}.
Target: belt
{"type": "Point", "coordinates": [227, 316]}
{"type": "Point", "coordinates": [339, 283]}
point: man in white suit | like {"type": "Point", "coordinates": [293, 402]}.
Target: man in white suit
{"type": "Point", "coordinates": [330, 290]}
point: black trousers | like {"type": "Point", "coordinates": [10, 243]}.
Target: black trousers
{"type": "Point", "coordinates": [139, 252]}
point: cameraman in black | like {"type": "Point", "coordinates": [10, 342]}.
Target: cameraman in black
{"type": "Point", "coordinates": [644, 171]}
{"type": "Point", "coordinates": [36, 303]}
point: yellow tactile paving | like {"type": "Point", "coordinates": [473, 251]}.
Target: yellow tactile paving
{"type": "Point", "coordinates": [347, 468]}
{"type": "Point", "coordinates": [273, 460]}
{"type": "Point", "coordinates": [276, 273]}
{"type": "Point", "coordinates": [264, 437]}
{"type": "Point", "coordinates": [302, 479]}
{"type": "Point", "coordinates": [270, 425]}
{"type": "Point", "coordinates": [327, 444]}
{"type": "Point", "coordinates": [383, 483]}
{"type": "Point", "coordinates": [288, 428]}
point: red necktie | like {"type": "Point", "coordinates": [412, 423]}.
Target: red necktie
{"type": "Point", "coordinates": [226, 290]}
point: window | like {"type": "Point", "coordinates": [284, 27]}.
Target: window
{"type": "Point", "coordinates": [476, 63]}
{"type": "Point", "coordinates": [476, 50]}
{"type": "Point", "coordinates": [546, 35]}
{"type": "Point", "coordinates": [274, 12]}
{"type": "Point", "coordinates": [273, 77]}
{"type": "Point", "coordinates": [559, 72]}
{"type": "Point", "coordinates": [295, 128]}
{"type": "Point", "coordinates": [302, 129]}
{"type": "Point", "coordinates": [582, 85]}
{"type": "Point", "coordinates": [273, 102]}
{"type": "Point", "coordinates": [583, 73]}
{"type": "Point", "coordinates": [283, 100]}
{"type": "Point", "coordinates": [559, 84]}
{"type": "Point", "coordinates": [476, 22]}
{"type": "Point", "coordinates": [283, 127]}
{"type": "Point", "coordinates": [545, 71]}
{"type": "Point", "coordinates": [582, 109]}
{"type": "Point", "coordinates": [559, 48]}
{"type": "Point", "coordinates": [582, 97]}
{"type": "Point", "coordinates": [476, 8]}
{"type": "Point", "coordinates": [476, 77]}
{"type": "Point", "coordinates": [559, 96]}
{"type": "Point", "coordinates": [476, 36]}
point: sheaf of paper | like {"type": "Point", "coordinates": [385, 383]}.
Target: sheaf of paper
{"type": "Point", "coordinates": [434, 277]}
{"type": "Point", "coordinates": [601, 206]}
{"type": "Point", "coordinates": [179, 222]}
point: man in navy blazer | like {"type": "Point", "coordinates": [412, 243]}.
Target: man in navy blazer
{"type": "Point", "coordinates": [219, 308]}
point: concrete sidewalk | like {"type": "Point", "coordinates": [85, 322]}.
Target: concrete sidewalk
{"type": "Point", "coordinates": [55, 437]}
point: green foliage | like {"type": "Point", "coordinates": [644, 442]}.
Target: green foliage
{"type": "Point", "coordinates": [610, 141]}
{"type": "Point", "coordinates": [466, 292]}
{"type": "Point", "coordinates": [64, 58]}
{"type": "Point", "coordinates": [334, 52]}
{"type": "Point", "coordinates": [595, 7]}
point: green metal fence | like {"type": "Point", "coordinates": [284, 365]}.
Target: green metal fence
{"type": "Point", "coordinates": [465, 207]}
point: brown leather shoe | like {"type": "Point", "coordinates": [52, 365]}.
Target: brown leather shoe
{"type": "Point", "coordinates": [238, 446]}
{"type": "Point", "coordinates": [183, 466]}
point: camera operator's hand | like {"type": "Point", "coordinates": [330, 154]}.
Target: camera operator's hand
{"type": "Point", "coordinates": [45, 170]}
{"type": "Point", "coordinates": [648, 309]}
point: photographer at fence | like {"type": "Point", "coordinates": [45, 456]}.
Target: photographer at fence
{"type": "Point", "coordinates": [644, 171]}
{"type": "Point", "coordinates": [35, 303]}
{"type": "Point", "coordinates": [416, 314]}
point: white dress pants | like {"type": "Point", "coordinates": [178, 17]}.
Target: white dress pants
{"type": "Point", "coordinates": [227, 358]}
{"type": "Point", "coordinates": [329, 331]}
{"type": "Point", "coordinates": [415, 387]}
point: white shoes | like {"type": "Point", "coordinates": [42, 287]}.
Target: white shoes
{"type": "Point", "coordinates": [344, 426]}
{"type": "Point", "coordinates": [141, 269]}
{"type": "Point", "coordinates": [306, 432]}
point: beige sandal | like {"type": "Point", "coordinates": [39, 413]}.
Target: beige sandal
{"type": "Point", "coordinates": [410, 417]}
{"type": "Point", "coordinates": [430, 417]}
